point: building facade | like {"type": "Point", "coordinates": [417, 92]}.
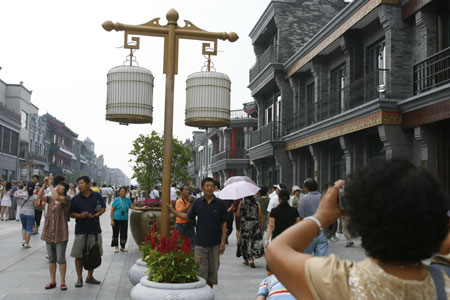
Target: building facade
{"type": "Point", "coordinates": [222, 152]}
{"type": "Point", "coordinates": [372, 84]}
{"type": "Point", "coordinates": [229, 148]}
{"type": "Point", "coordinates": [39, 145]}
{"type": "Point", "coordinates": [10, 124]}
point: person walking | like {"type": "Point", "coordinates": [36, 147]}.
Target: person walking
{"type": "Point", "coordinates": [38, 209]}
{"type": "Point", "coordinates": [6, 201]}
{"type": "Point", "coordinates": [173, 194]}
{"type": "Point", "coordinates": [183, 204]}
{"type": "Point", "coordinates": [119, 219]}
{"type": "Point", "coordinates": [282, 217]}
{"type": "Point", "coordinates": [86, 207]}
{"type": "Point", "coordinates": [56, 232]}
{"type": "Point", "coordinates": [307, 208]}
{"type": "Point", "coordinates": [154, 194]}
{"type": "Point", "coordinates": [263, 201]}
{"type": "Point", "coordinates": [211, 230]}
{"type": "Point", "coordinates": [296, 196]}
{"type": "Point", "coordinates": [27, 214]}
{"type": "Point", "coordinates": [250, 245]}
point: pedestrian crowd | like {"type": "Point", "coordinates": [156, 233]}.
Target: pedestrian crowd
{"type": "Point", "coordinates": [399, 211]}
{"type": "Point", "coordinates": [59, 201]}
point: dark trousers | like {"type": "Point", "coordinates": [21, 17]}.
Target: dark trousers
{"type": "Point", "coordinates": [187, 229]}
{"type": "Point", "coordinates": [230, 219]}
{"type": "Point", "coordinates": [120, 226]}
{"type": "Point", "coordinates": [37, 217]}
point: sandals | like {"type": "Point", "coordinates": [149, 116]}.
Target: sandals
{"type": "Point", "coordinates": [63, 287]}
{"type": "Point", "coordinates": [245, 263]}
{"type": "Point", "coordinates": [50, 286]}
{"type": "Point", "coordinates": [252, 265]}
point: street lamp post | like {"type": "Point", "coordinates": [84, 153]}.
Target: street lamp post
{"type": "Point", "coordinates": [171, 34]}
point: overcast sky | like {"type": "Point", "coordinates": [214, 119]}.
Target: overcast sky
{"type": "Point", "coordinates": [61, 52]}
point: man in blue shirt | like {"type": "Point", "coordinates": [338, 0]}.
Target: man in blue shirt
{"type": "Point", "coordinates": [211, 230]}
{"type": "Point", "coordinates": [86, 207]}
{"type": "Point", "coordinates": [308, 207]}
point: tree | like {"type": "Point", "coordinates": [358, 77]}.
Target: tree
{"type": "Point", "coordinates": [148, 152]}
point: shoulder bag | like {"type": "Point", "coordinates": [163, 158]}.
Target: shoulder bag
{"type": "Point", "coordinates": [435, 272]}
{"type": "Point", "coordinates": [92, 258]}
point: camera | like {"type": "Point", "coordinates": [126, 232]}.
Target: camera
{"type": "Point", "coordinates": [341, 198]}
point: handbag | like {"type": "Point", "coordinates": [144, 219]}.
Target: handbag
{"type": "Point", "coordinates": [92, 258]}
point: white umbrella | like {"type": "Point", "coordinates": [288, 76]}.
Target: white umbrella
{"type": "Point", "coordinates": [238, 190]}
{"type": "Point", "coordinates": [237, 179]}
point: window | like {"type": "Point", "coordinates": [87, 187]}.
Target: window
{"type": "Point", "coordinates": [268, 115]}
{"type": "Point", "coordinates": [12, 175]}
{"type": "Point", "coordinates": [277, 116]}
{"type": "Point", "coordinates": [14, 143]}
{"type": "Point", "coordinates": [443, 22]}
{"type": "Point", "coordinates": [375, 68]}
{"type": "Point", "coordinates": [375, 148]}
{"type": "Point", "coordinates": [5, 174]}
{"type": "Point", "coordinates": [337, 162]}
{"type": "Point", "coordinates": [24, 119]}
{"type": "Point", "coordinates": [310, 104]}
{"type": "Point", "coordinates": [337, 85]}
{"type": "Point", "coordinates": [6, 141]}
{"type": "Point", "coordinates": [1, 137]}
{"type": "Point", "coordinates": [309, 166]}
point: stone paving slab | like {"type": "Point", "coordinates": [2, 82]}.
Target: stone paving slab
{"type": "Point", "coordinates": [24, 272]}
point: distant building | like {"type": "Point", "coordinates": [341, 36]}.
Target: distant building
{"type": "Point", "coordinates": [221, 153]}
{"type": "Point", "coordinates": [10, 126]}
{"type": "Point", "coordinates": [39, 145]}
{"type": "Point", "coordinates": [61, 152]}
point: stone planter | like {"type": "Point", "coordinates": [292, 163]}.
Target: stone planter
{"type": "Point", "coordinates": [142, 220]}
{"type": "Point", "coordinates": [174, 291]}
{"type": "Point", "coordinates": [137, 271]}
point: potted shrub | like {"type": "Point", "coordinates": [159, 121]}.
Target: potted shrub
{"type": "Point", "coordinates": [172, 270]}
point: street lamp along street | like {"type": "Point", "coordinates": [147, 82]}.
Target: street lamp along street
{"type": "Point", "coordinates": [171, 34]}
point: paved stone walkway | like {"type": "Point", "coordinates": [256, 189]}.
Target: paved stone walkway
{"type": "Point", "coordinates": [24, 272]}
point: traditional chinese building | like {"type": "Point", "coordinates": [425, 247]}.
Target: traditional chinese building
{"type": "Point", "coordinates": [373, 83]}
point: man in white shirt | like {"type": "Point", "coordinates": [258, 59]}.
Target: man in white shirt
{"type": "Point", "coordinates": [154, 194]}
{"type": "Point", "coordinates": [274, 198]}
{"type": "Point", "coordinates": [173, 193]}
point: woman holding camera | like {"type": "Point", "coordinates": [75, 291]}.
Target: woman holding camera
{"type": "Point", "coordinates": [56, 232]}
{"type": "Point", "coordinates": [119, 219]}
{"type": "Point", "coordinates": [400, 212]}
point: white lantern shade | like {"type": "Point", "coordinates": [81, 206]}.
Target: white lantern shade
{"type": "Point", "coordinates": [129, 96]}
{"type": "Point", "coordinates": [208, 100]}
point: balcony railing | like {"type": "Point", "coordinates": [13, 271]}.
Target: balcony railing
{"type": "Point", "coordinates": [229, 154]}
{"type": "Point", "coordinates": [353, 95]}
{"type": "Point", "coordinates": [39, 157]}
{"type": "Point", "coordinates": [4, 110]}
{"type": "Point", "coordinates": [270, 55]}
{"type": "Point", "coordinates": [239, 114]}
{"type": "Point", "coordinates": [432, 72]}
{"type": "Point", "coordinates": [269, 132]}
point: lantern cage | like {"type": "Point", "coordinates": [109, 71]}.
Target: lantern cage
{"type": "Point", "coordinates": [208, 100]}
{"type": "Point", "coordinates": [129, 96]}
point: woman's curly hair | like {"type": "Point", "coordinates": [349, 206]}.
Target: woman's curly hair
{"type": "Point", "coordinates": [398, 209]}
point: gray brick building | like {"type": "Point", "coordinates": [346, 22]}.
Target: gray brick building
{"type": "Point", "coordinates": [371, 82]}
